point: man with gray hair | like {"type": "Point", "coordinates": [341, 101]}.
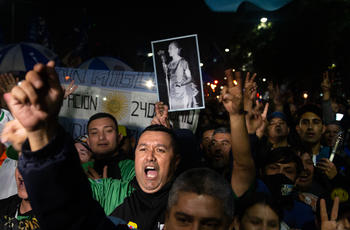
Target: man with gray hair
{"type": "Point", "coordinates": [219, 155]}
{"type": "Point", "coordinates": [200, 198]}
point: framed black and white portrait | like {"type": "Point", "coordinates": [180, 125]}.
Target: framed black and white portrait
{"type": "Point", "coordinates": [178, 73]}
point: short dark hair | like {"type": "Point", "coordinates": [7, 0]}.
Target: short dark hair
{"type": "Point", "coordinates": [171, 132]}
{"type": "Point", "coordinates": [259, 198]}
{"type": "Point", "coordinates": [102, 115]}
{"type": "Point", "coordinates": [203, 181]}
{"type": "Point", "coordinates": [313, 108]}
{"type": "Point", "coordinates": [283, 155]}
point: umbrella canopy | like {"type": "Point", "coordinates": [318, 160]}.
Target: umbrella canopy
{"type": "Point", "coordinates": [232, 5]}
{"type": "Point", "coordinates": [105, 63]}
{"type": "Point", "coordinates": [23, 56]}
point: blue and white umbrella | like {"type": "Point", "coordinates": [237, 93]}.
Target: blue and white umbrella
{"type": "Point", "coordinates": [233, 5]}
{"type": "Point", "coordinates": [23, 56]}
{"type": "Point", "coordinates": [105, 63]}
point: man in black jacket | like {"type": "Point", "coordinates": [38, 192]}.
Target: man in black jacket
{"type": "Point", "coordinates": [57, 186]}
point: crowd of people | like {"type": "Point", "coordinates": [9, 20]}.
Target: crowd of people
{"type": "Point", "coordinates": [250, 164]}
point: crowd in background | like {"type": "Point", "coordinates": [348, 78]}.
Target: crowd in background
{"type": "Point", "coordinates": [252, 163]}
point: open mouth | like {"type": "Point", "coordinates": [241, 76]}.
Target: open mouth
{"type": "Point", "coordinates": [304, 177]}
{"type": "Point", "coordinates": [151, 172]}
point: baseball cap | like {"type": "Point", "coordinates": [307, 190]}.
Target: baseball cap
{"type": "Point", "coordinates": [277, 114]}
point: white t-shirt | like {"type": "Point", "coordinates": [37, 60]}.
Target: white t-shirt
{"type": "Point", "coordinates": [5, 116]}
{"type": "Point", "coordinates": [7, 178]}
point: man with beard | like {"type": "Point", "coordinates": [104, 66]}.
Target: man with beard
{"type": "Point", "coordinates": [104, 141]}
{"type": "Point", "coordinates": [219, 156]}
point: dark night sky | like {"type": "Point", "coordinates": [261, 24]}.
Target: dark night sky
{"type": "Point", "coordinates": [125, 29]}
{"type": "Point", "coordinates": [122, 28]}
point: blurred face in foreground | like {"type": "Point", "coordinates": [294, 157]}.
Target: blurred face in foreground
{"type": "Point", "coordinates": [155, 161]}
{"type": "Point", "coordinates": [194, 212]}
{"type": "Point", "coordinates": [259, 216]}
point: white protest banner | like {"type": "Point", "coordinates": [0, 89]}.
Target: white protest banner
{"type": "Point", "coordinates": [129, 96]}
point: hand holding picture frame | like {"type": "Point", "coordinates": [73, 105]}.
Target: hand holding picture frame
{"type": "Point", "coordinates": [178, 74]}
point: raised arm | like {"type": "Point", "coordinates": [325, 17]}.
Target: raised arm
{"type": "Point", "coordinates": [243, 173]}
{"type": "Point", "coordinates": [49, 162]}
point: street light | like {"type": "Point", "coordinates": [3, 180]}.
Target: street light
{"type": "Point", "coordinates": [263, 20]}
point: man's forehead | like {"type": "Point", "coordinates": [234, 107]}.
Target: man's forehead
{"type": "Point", "coordinates": [222, 136]}
{"type": "Point", "coordinates": [275, 119]}
{"type": "Point", "coordinates": [208, 133]}
{"type": "Point", "coordinates": [102, 121]}
{"type": "Point", "coordinates": [284, 165]}
{"type": "Point", "coordinates": [155, 136]}
{"type": "Point", "coordinates": [191, 201]}
{"type": "Point", "coordinates": [310, 116]}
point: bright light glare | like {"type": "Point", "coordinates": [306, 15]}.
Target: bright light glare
{"type": "Point", "coordinates": [263, 20]}
{"type": "Point", "coordinates": [305, 95]}
{"type": "Point", "coordinates": [264, 79]}
{"type": "Point", "coordinates": [201, 64]}
{"type": "Point", "coordinates": [104, 98]}
{"type": "Point", "coordinates": [227, 50]}
{"type": "Point", "coordinates": [149, 54]}
{"type": "Point", "coordinates": [149, 84]}
{"type": "Point", "coordinates": [339, 116]}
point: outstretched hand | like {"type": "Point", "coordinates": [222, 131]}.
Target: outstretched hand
{"type": "Point", "coordinates": [36, 102]}
{"type": "Point", "coordinates": [14, 133]}
{"type": "Point", "coordinates": [70, 89]}
{"type": "Point", "coordinates": [256, 119]}
{"type": "Point", "coordinates": [37, 99]}
{"type": "Point", "coordinates": [161, 116]}
{"type": "Point", "coordinates": [231, 95]}
{"type": "Point", "coordinates": [329, 223]}
{"type": "Point", "coordinates": [250, 89]}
